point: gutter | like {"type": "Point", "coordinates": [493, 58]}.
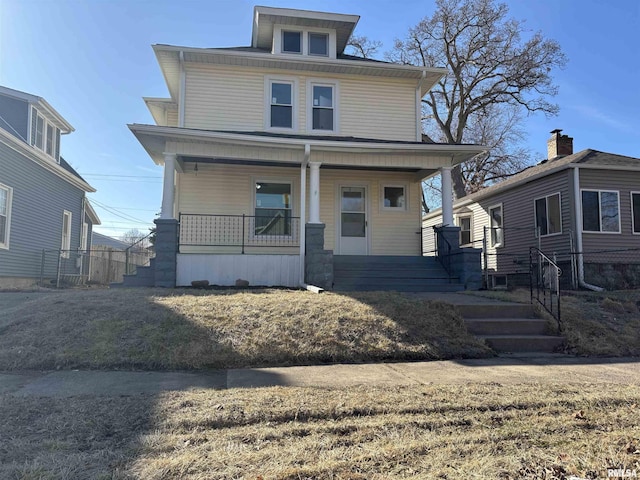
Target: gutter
{"type": "Point", "coordinates": [181, 92]}
{"type": "Point", "coordinates": [578, 210]}
{"type": "Point", "coordinates": [419, 106]}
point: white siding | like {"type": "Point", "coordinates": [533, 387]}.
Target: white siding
{"type": "Point", "coordinates": [233, 98]}
{"type": "Point", "coordinates": [172, 118]}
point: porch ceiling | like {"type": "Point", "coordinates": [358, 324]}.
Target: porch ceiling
{"type": "Point", "coordinates": [336, 152]}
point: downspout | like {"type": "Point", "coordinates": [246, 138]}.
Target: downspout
{"type": "Point", "coordinates": [419, 107]}
{"type": "Point", "coordinates": [181, 92]}
{"type": "Point", "coordinates": [303, 209]}
{"type": "Point", "coordinates": [578, 210]}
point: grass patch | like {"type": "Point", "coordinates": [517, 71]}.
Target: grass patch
{"type": "Point", "coordinates": [192, 329]}
{"type": "Point", "coordinates": [468, 431]}
{"type": "Point", "coordinates": [594, 323]}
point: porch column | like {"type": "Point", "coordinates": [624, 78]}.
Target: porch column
{"type": "Point", "coordinates": [314, 194]}
{"type": "Point", "coordinates": [447, 196]}
{"type": "Point", "coordinates": [168, 189]}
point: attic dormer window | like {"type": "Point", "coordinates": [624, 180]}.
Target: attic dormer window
{"type": "Point", "coordinates": [291, 42]}
{"type": "Point", "coordinates": [44, 135]}
{"type": "Point", "coordinates": [319, 44]}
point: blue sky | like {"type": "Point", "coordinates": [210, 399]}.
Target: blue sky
{"type": "Point", "coordinates": [92, 60]}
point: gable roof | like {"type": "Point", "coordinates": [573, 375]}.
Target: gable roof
{"type": "Point", "coordinates": [99, 240]}
{"type": "Point", "coordinates": [43, 107]}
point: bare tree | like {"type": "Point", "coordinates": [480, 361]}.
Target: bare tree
{"type": "Point", "coordinates": [134, 236]}
{"type": "Point", "coordinates": [361, 46]}
{"type": "Point", "coordinates": [495, 78]}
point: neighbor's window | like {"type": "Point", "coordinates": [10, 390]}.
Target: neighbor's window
{"type": "Point", "coordinates": [600, 211]}
{"type": "Point", "coordinates": [85, 236]}
{"type": "Point", "coordinates": [466, 236]}
{"type": "Point", "coordinates": [319, 44]}
{"type": "Point", "coordinates": [323, 107]}
{"type": "Point", "coordinates": [66, 234]}
{"type": "Point", "coordinates": [291, 42]}
{"type": "Point", "coordinates": [635, 211]}
{"type": "Point", "coordinates": [394, 197]}
{"type": "Point", "coordinates": [273, 208]}
{"type": "Point", "coordinates": [5, 215]}
{"type": "Point", "coordinates": [44, 135]}
{"type": "Point", "coordinates": [548, 217]}
{"type": "Point", "coordinates": [497, 233]}
{"type": "Point", "coordinates": [281, 110]}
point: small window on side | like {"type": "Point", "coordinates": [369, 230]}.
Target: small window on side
{"type": "Point", "coordinates": [466, 237]}
{"type": "Point", "coordinates": [497, 233]}
{"type": "Point", "coordinates": [394, 198]}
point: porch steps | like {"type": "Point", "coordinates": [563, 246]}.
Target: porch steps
{"type": "Point", "coordinates": [397, 273]}
{"type": "Point", "coordinates": [144, 277]}
{"type": "Point", "coordinates": [510, 328]}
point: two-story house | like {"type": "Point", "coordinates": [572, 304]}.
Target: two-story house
{"type": "Point", "coordinates": [287, 157]}
{"type": "Point", "coordinates": [43, 204]}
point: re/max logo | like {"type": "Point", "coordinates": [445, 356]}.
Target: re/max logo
{"type": "Point", "coordinates": [621, 473]}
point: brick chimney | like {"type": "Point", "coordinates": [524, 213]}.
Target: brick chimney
{"type": "Point", "coordinates": [559, 145]}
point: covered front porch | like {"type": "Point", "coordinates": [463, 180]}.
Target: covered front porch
{"type": "Point", "coordinates": [274, 210]}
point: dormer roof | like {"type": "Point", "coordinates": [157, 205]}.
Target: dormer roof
{"type": "Point", "coordinates": [43, 107]}
{"type": "Point", "coordinates": [264, 19]}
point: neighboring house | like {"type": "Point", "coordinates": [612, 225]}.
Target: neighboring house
{"type": "Point", "coordinates": [584, 208]}
{"type": "Point", "coordinates": [43, 204]}
{"type": "Point", "coordinates": [281, 155]}
{"type": "Point", "coordinates": [99, 241]}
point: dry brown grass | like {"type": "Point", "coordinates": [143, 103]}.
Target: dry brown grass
{"type": "Point", "coordinates": [595, 324]}
{"type": "Point", "coordinates": [481, 431]}
{"type": "Point", "coordinates": [192, 329]}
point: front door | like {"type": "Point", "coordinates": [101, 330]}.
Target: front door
{"type": "Point", "coordinates": [353, 221]}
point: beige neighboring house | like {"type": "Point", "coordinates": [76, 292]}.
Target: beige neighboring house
{"type": "Point", "coordinates": [583, 208]}
{"type": "Point", "coordinates": [283, 157]}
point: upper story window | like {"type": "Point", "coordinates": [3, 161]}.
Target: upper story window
{"type": "Point", "coordinates": [44, 135]}
{"type": "Point", "coordinates": [280, 103]}
{"type": "Point", "coordinates": [323, 107]}
{"type": "Point", "coordinates": [548, 215]}
{"type": "Point", "coordinates": [319, 44]}
{"type": "Point", "coordinates": [291, 42]}
{"type": "Point", "coordinates": [600, 211]}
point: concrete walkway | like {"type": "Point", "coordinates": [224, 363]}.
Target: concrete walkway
{"type": "Point", "coordinates": [503, 370]}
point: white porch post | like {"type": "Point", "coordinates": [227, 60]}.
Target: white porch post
{"type": "Point", "coordinates": [314, 194]}
{"type": "Point", "coordinates": [168, 189]}
{"type": "Point", "coordinates": [447, 196]}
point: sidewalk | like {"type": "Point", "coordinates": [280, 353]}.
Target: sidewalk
{"type": "Point", "coordinates": [503, 370]}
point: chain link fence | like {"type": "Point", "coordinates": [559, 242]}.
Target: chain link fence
{"type": "Point", "coordinates": [68, 268]}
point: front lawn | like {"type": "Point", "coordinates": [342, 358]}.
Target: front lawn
{"type": "Point", "coordinates": [479, 431]}
{"type": "Point", "coordinates": [195, 329]}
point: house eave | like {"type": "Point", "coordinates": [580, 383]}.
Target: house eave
{"type": "Point", "coordinates": [42, 105]}
{"type": "Point", "coordinates": [42, 159]}
{"type": "Point", "coordinates": [95, 220]}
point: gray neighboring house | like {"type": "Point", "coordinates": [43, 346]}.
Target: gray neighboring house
{"type": "Point", "coordinates": [103, 241]}
{"type": "Point", "coordinates": [43, 203]}
{"type": "Point", "coordinates": [585, 206]}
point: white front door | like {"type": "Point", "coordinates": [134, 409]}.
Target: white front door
{"type": "Point", "coordinates": [353, 221]}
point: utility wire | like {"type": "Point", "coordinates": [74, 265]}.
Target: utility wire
{"type": "Point", "coordinates": [116, 213]}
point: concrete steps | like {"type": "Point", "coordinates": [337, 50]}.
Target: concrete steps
{"type": "Point", "coordinates": [391, 273]}
{"type": "Point", "coordinates": [510, 328]}
{"type": "Point", "coordinates": [144, 277]}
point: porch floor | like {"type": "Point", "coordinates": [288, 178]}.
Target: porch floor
{"type": "Point", "coordinates": [391, 273]}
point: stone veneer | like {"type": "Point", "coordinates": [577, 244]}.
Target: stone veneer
{"type": "Point", "coordinates": [318, 262]}
{"type": "Point", "coordinates": [166, 247]}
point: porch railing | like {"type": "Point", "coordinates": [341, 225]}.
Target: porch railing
{"type": "Point", "coordinates": [544, 279]}
{"type": "Point", "coordinates": [443, 251]}
{"type": "Point", "coordinates": [276, 230]}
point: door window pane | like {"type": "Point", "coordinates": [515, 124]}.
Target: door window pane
{"type": "Point", "coordinates": [353, 225]}
{"type": "Point", "coordinates": [352, 201]}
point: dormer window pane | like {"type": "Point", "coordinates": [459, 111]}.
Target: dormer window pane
{"type": "Point", "coordinates": [39, 132]}
{"type": "Point", "coordinates": [292, 42]}
{"type": "Point", "coordinates": [49, 147]}
{"type": "Point", "coordinates": [281, 106]}
{"type": "Point", "coordinates": [319, 44]}
{"type": "Point", "coordinates": [57, 153]}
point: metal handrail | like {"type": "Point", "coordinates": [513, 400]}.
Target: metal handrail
{"type": "Point", "coordinates": [546, 281]}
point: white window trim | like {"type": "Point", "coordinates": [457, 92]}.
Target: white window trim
{"type": "Point", "coordinates": [633, 226]}
{"type": "Point", "coordinates": [45, 125]}
{"type": "Point", "coordinates": [617, 192]}
{"type": "Point", "coordinates": [312, 82]}
{"type": "Point", "coordinates": [302, 40]}
{"type": "Point", "coordinates": [283, 180]}
{"type": "Point", "coordinates": [406, 197]}
{"type": "Point", "coordinates": [277, 41]}
{"type": "Point", "coordinates": [327, 35]}
{"type": "Point", "coordinates": [500, 244]}
{"type": "Point", "coordinates": [4, 242]}
{"type": "Point", "coordinates": [66, 245]}
{"type": "Point", "coordinates": [268, 80]}
{"type": "Point", "coordinates": [535, 218]}
{"type": "Point", "coordinates": [85, 236]}
{"type": "Point", "coordinates": [470, 217]}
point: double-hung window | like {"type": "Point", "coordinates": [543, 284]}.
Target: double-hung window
{"type": "Point", "coordinates": [548, 215]}
{"type": "Point", "coordinates": [635, 211]}
{"type": "Point", "coordinates": [496, 222]}
{"type": "Point", "coordinates": [600, 211]}
{"type": "Point", "coordinates": [66, 233]}
{"type": "Point", "coordinates": [281, 104]}
{"type": "Point", "coordinates": [44, 135]}
{"type": "Point", "coordinates": [5, 215]}
{"type": "Point", "coordinates": [323, 107]}
{"type": "Point", "coordinates": [466, 232]}
{"type": "Point", "coordinates": [272, 208]}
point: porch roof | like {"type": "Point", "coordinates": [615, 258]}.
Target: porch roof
{"type": "Point", "coordinates": [361, 152]}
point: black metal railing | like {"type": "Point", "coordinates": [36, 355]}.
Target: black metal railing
{"type": "Point", "coordinates": [277, 229]}
{"type": "Point", "coordinates": [544, 280]}
{"type": "Point", "coordinates": [443, 250]}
